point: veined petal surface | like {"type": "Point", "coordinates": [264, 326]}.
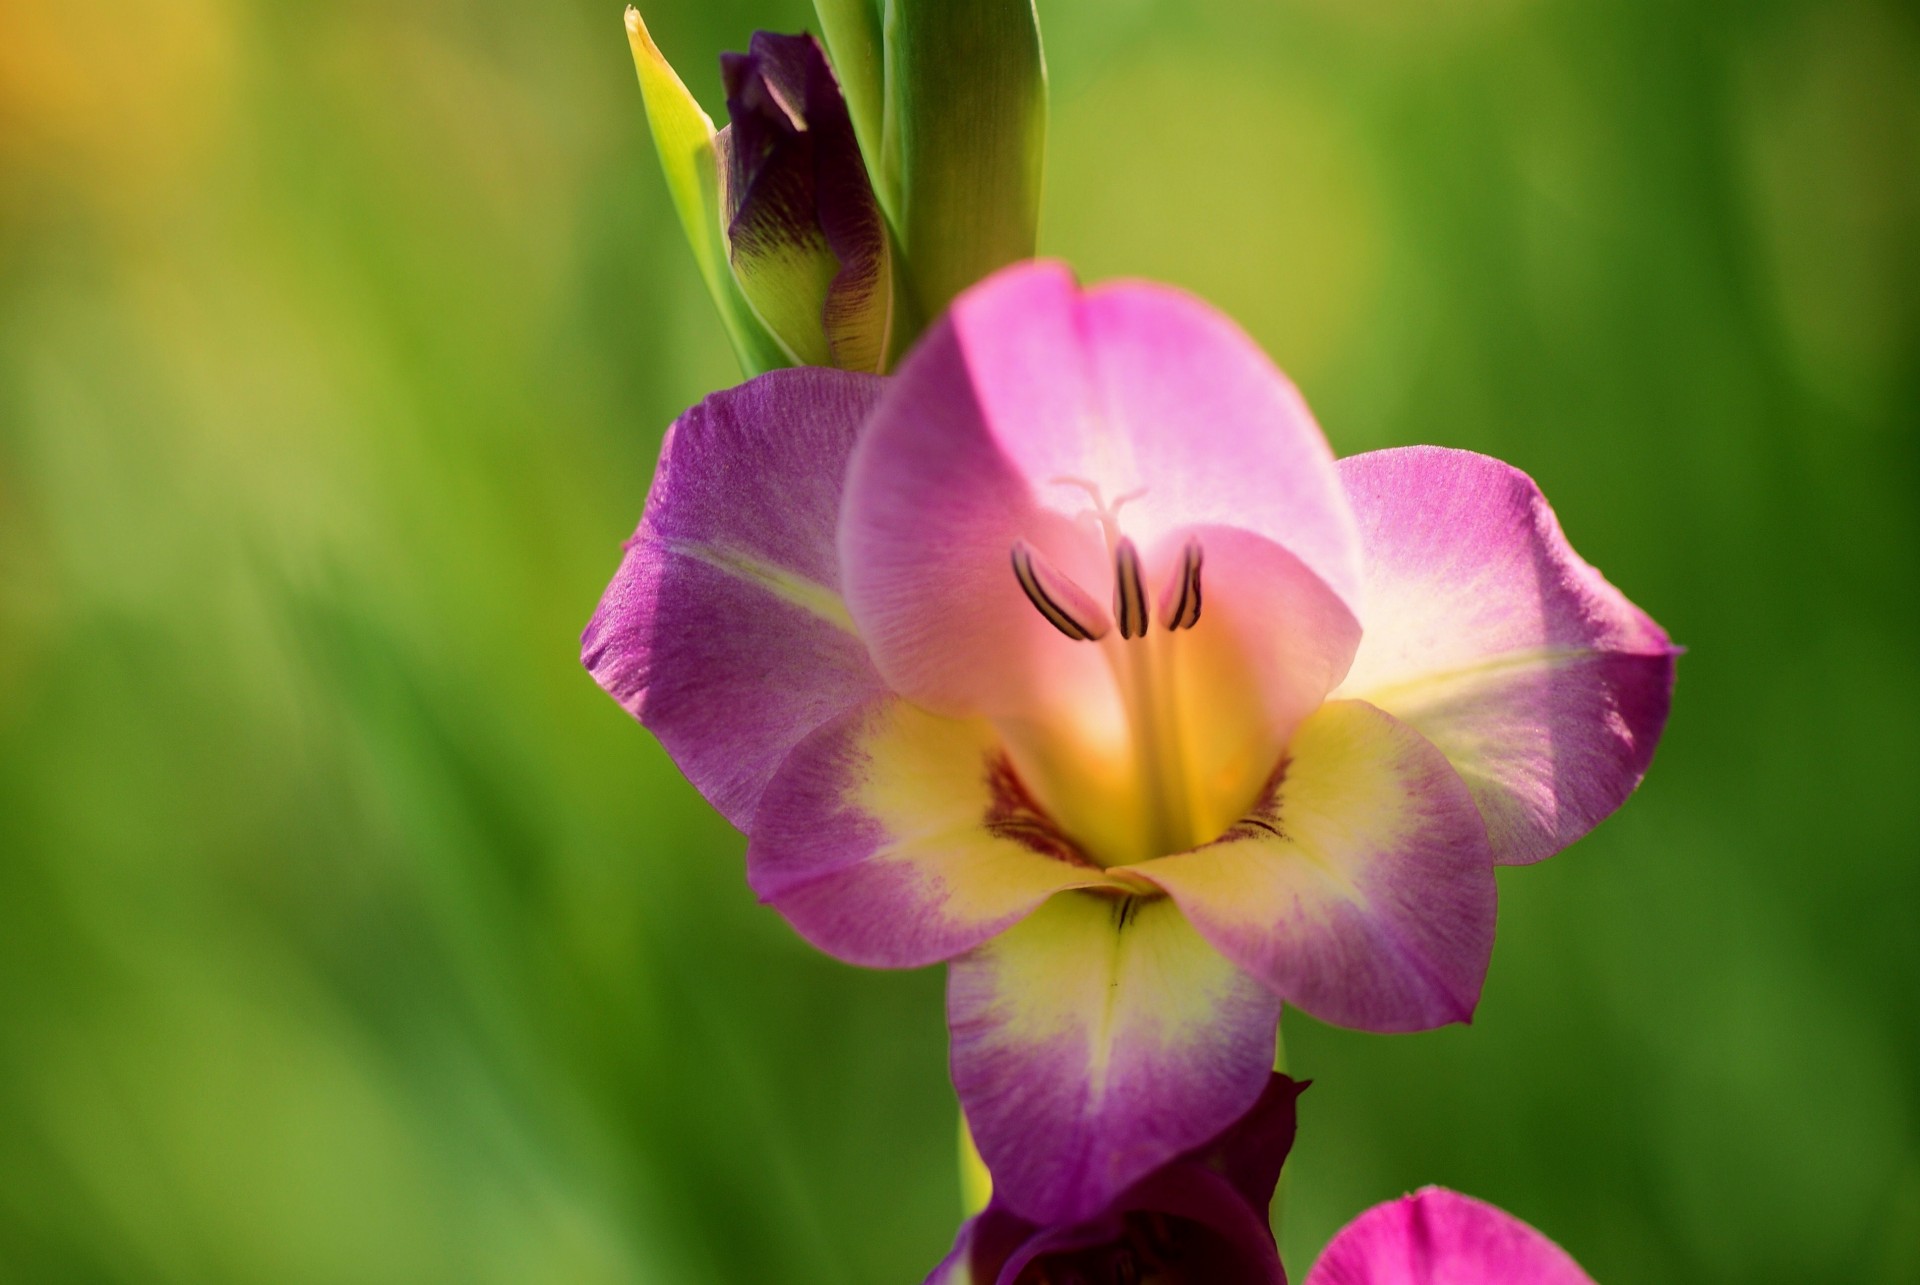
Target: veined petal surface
{"type": "Point", "coordinates": [1094, 1041]}
{"type": "Point", "coordinates": [723, 630]}
{"type": "Point", "coordinates": [1361, 888]}
{"type": "Point", "coordinates": [1485, 631]}
{"type": "Point", "coordinates": [1440, 1237]}
{"type": "Point", "coordinates": [896, 838]}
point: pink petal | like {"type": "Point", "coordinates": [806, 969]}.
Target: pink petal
{"type": "Point", "coordinates": [1096, 1040]}
{"type": "Point", "coordinates": [723, 631]}
{"type": "Point", "coordinates": [1362, 889]}
{"type": "Point", "coordinates": [1129, 388]}
{"type": "Point", "coordinates": [1485, 631]}
{"type": "Point", "coordinates": [1440, 1237]}
{"type": "Point", "coordinates": [895, 838]}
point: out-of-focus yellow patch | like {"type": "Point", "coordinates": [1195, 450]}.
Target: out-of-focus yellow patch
{"type": "Point", "coordinates": [112, 103]}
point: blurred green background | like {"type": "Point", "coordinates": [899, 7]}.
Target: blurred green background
{"type": "Point", "coordinates": [349, 934]}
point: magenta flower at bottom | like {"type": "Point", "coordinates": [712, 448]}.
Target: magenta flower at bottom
{"type": "Point", "coordinates": [1070, 655]}
{"type": "Point", "coordinates": [1440, 1237]}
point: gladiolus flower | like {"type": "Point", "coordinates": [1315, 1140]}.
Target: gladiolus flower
{"type": "Point", "coordinates": [1070, 655]}
{"type": "Point", "coordinates": [1200, 1219]}
{"type": "Point", "coordinates": [1440, 1237]}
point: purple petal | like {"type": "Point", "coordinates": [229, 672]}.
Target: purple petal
{"type": "Point", "coordinates": [1440, 1237]}
{"type": "Point", "coordinates": [1095, 1041]}
{"type": "Point", "coordinates": [1486, 632]}
{"type": "Point", "coordinates": [768, 96]}
{"type": "Point", "coordinates": [1362, 889]}
{"type": "Point", "coordinates": [723, 630]}
{"type": "Point", "coordinates": [895, 838]}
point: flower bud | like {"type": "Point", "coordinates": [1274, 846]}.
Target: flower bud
{"type": "Point", "coordinates": [806, 239]}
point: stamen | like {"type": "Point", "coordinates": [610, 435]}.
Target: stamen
{"type": "Point", "coordinates": [1180, 600]}
{"type": "Point", "coordinates": [1129, 591]}
{"type": "Point", "coordinates": [1061, 602]}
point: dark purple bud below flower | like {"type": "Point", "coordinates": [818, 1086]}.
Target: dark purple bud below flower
{"type": "Point", "coordinates": [1200, 1219]}
{"type": "Point", "coordinates": [806, 238]}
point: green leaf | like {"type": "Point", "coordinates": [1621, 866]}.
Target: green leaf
{"type": "Point", "coordinates": [683, 135]}
{"type": "Point", "coordinates": [965, 126]}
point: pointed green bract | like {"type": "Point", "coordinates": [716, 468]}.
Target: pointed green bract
{"type": "Point", "coordinates": [964, 127]}
{"type": "Point", "coordinates": [683, 135]}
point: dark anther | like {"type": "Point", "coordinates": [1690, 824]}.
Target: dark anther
{"type": "Point", "coordinates": [1180, 603]}
{"type": "Point", "coordinates": [1062, 603]}
{"type": "Point", "coordinates": [1129, 592]}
